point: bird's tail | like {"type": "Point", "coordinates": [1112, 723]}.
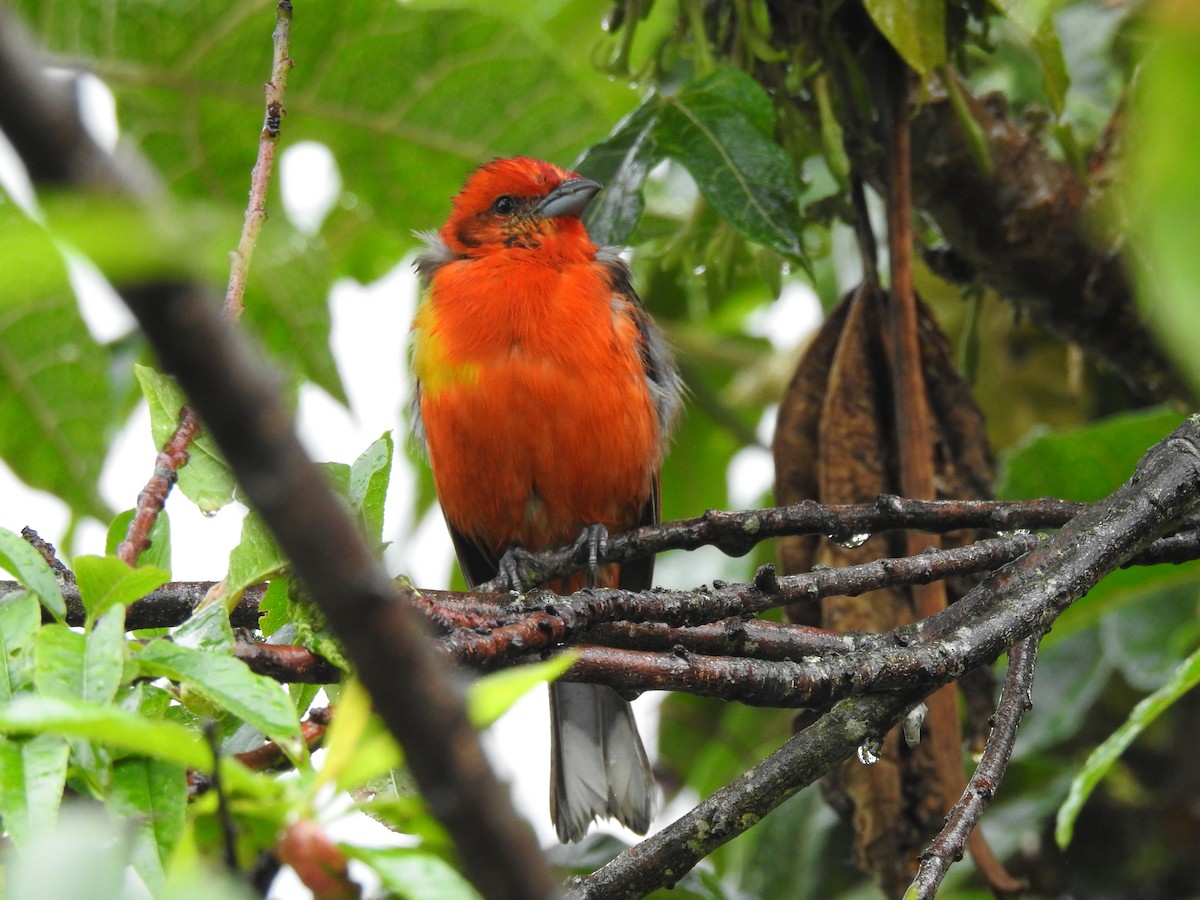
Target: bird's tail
{"type": "Point", "coordinates": [598, 766]}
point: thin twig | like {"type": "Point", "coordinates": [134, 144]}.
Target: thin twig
{"type": "Point", "coordinates": [174, 455]}
{"type": "Point", "coordinates": [1015, 698]}
{"type": "Point", "coordinates": [153, 497]}
{"type": "Point", "coordinates": [260, 175]}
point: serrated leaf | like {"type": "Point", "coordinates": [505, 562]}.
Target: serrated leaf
{"type": "Point", "coordinates": [33, 774]}
{"type": "Point", "coordinates": [621, 162]}
{"type": "Point", "coordinates": [23, 562]}
{"type": "Point", "coordinates": [109, 725]}
{"type": "Point", "coordinates": [412, 872]}
{"type": "Point", "coordinates": [157, 554]}
{"type": "Point", "coordinates": [226, 682]}
{"type": "Point", "coordinates": [493, 695]}
{"type": "Point", "coordinates": [105, 581]}
{"type": "Point", "coordinates": [1184, 679]}
{"type": "Point", "coordinates": [20, 620]}
{"type": "Point", "coordinates": [256, 557]}
{"type": "Point", "coordinates": [56, 408]}
{"type": "Point", "coordinates": [1034, 20]}
{"type": "Point", "coordinates": [915, 28]}
{"type": "Point", "coordinates": [712, 128]}
{"type": "Point", "coordinates": [150, 796]}
{"type": "Point", "coordinates": [206, 480]}
{"type": "Point", "coordinates": [368, 485]}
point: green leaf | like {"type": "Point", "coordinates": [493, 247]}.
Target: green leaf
{"type": "Point", "coordinates": [57, 411]}
{"type": "Point", "coordinates": [206, 479]}
{"type": "Point", "coordinates": [493, 695]}
{"type": "Point", "coordinates": [23, 562]}
{"type": "Point", "coordinates": [357, 747]}
{"type": "Point", "coordinates": [105, 581]}
{"type": "Point", "coordinates": [226, 682]}
{"type": "Point", "coordinates": [1185, 677]}
{"type": "Point", "coordinates": [256, 557]}
{"type": "Point", "coordinates": [287, 304]}
{"type": "Point", "coordinates": [1145, 641]}
{"type": "Point", "coordinates": [104, 657]}
{"type": "Point", "coordinates": [412, 872]}
{"type": "Point", "coordinates": [1085, 463]}
{"type": "Point", "coordinates": [33, 774]}
{"type": "Point", "coordinates": [59, 661]}
{"type": "Point", "coordinates": [88, 667]}
{"type": "Point", "coordinates": [368, 485]}
{"type": "Point", "coordinates": [20, 620]}
{"type": "Point", "coordinates": [916, 28]}
{"type": "Point", "coordinates": [158, 553]}
{"type": "Point", "coordinates": [621, 162]}
{"type": "Point", "coordinates": [208, 630]}
{"type": "Point", "coordinates": [1034, 20]}
{"type": "Point", "coordinates": [187, 89]}
{"type": "Point", "coordinates": [150, 797]}
{"type": "Point", "coordinates": [1162, 192]}
{"type": "Point", "coordinates": [714, 128]}
{"type": "Point", "coordinates": [273, 608]}
{"type": "Point", "coordinates": [109, 725]}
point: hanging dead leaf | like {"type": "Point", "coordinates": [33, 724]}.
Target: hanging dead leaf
{"type": "Point", "coordinates": [836, 443]}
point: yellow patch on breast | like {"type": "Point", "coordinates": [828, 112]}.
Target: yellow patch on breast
{"type": "Point", "coordinates": [431, 362]}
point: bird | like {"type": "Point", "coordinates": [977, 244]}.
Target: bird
{"type": "Point", "coordinates": [544, 396]}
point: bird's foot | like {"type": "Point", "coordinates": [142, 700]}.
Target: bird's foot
{"type": "Point", "coordinates": [512, 564]}
{"type": "Point", "coordinates": [593, 541]}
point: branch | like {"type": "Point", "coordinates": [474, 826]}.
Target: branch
{"type": "Point", "coordinates": [376, 620]}
{"type": "Point", "coordinates": [1021, 600]}
{"type": "Point", "coordinates": [1015, 698]}
{"type": "Point", "coordinates": [665, 857]}
{"type": "Point", "coordinates": [737, 533]}
{"type": "Point", "coordinates": [260, 175]}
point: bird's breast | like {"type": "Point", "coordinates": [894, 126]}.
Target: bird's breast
{"type": "Point", "coordinates": [535, 406]}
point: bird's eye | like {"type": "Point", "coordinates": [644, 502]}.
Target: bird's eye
{"type": "Point", "coordinates": [504, 206]}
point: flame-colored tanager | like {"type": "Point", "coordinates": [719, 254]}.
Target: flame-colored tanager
{"type": "Point", "coordinates": [544, 396]}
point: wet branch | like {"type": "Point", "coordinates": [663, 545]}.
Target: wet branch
{"type": "Point", "coordinates": [1015, 698]}
{"type": "Point", "coordinates": [1016, 603]}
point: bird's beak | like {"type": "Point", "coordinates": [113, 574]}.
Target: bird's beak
{"type": "Point", "coordinates": [568, 199]}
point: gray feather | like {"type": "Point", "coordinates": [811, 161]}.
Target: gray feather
{"type": "Point", "coordinates": [598, 766]}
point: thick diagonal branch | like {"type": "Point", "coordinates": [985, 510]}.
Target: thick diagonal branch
{"type": "Point", "coordinates": [376, 620]}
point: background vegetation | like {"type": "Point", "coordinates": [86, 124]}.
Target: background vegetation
{"type": "Point", "coordinates": [729, 135]}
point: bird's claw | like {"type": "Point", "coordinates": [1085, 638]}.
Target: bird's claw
{"type": "Point", "coordinates": [593, 539]}
{"type": "Point", "coordinates": [510, 567]}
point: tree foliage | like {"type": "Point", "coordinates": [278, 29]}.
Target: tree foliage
{"type": "Point", "coordinates": [745, 147]}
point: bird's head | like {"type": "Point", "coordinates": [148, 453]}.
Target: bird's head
{"type": "Point", "coordinates": [518, 203]}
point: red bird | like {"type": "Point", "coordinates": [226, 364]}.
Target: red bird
{"type": "Point", "coordinates": [545, 395]}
